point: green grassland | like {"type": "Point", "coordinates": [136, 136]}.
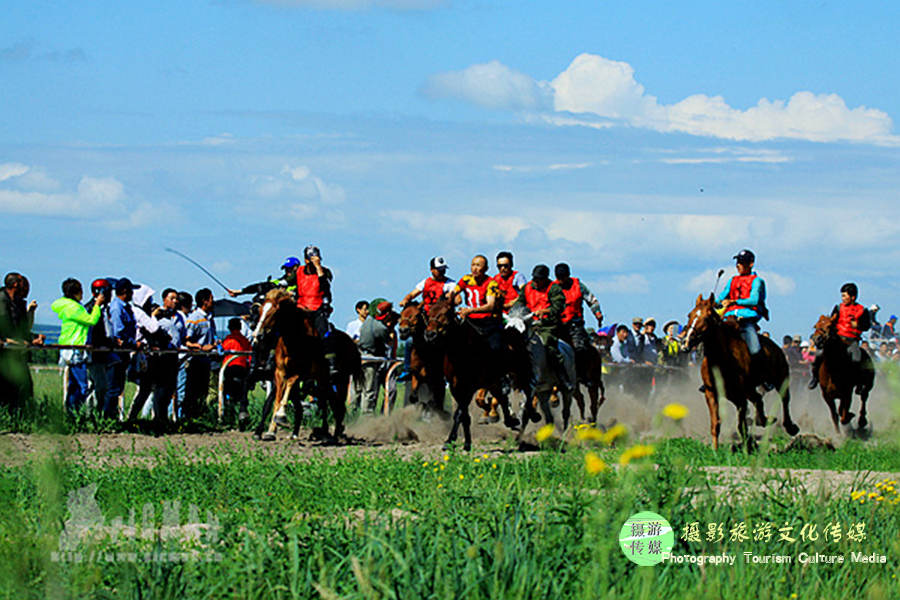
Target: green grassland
{"type": "Point", "coordinates": [399, 523]}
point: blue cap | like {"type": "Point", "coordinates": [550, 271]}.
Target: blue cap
{"type": "Point", "coordinates": [291, 262]}
{"type": "Point", "coordinates": [893, 318]}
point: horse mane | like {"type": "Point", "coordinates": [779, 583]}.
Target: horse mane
{"type": "Point", "coordinates": [277, 296]}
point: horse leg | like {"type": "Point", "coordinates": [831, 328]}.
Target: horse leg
{"type": "Point", "coordinates": [863, 421]}
{"type": "Point", "coordinates": [579, 400]}
{"type": "Point", "coordinates": [567, 408]}
{"type": "Point", "coordinates": [338, 407]}
{"type": "Point", "coordinates": [282, 389]}
{"type": "Point", "coordinates": [844, 409]}
{"type": "Point", "coordinates": [715, 423]}
{"type": "Point", "coordinates": [508, 418]}
{"type": "Point", "coordinates": [829, 395]}
{"type": "Point", "coordinates": [786, 421]}
{"type": "Point", "coordinates": [266, 410]}
{"type": "Point", "coordinates": [743, 429]}
{"type": "Point", "coordinates": [462, 404]}
{"type": "Point", "coordinates": [298, 417]}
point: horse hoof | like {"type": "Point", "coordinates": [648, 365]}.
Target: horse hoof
{"type": "Point", "coordinates": [318, 434]}
{"type": "Point", "coordinates": [467, 447]}
{"type": "Point", "coordinates": [512, 423]}
{"type": "Point", "coordinates": [554, 400]}
{"type": "Point", "coordinates": [791, 428]}
{"type": "Point", "coordinates": [863, 422]}
{"type": "Point", "coordinates": [495, 418]}
{"type": "Point", "coordinates": [847, 418]}
{"type": "Point", "coordinates": [267, 437]}
{"type": "Point", "coordinates": [282, 421]}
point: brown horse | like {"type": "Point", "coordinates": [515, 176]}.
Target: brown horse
{"type": "Point", "coordinates": [726, 369]}
{"type": "Point", "coordinates": [299, 358]}
{"type": "Point", "coordinates": [838, 374]}
{"type": "Point", "coordinates": [469, 365]}
{"type": "Point", "coordinates": [426, 364]}
{"type": "Point", "coordinates": [589, 368]}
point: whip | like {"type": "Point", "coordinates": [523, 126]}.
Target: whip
{"type": "Point", "coordinates": [198, 265]}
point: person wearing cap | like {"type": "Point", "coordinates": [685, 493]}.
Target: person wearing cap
{"type": "Point", "coordinates": [288, 281]}
{"type": "Point", "coordinates": [432, 288]}
{"type": "Point", "coordinates": [744, 298]}
{"type": "Point", "coordinates": [635, 340]}
{"type": "Point", "coordinates": [649, 342]}
{"type": "Point", "coordinates": [546, 302]}
{"type": "Point", "coordinates": [509, 280]}
{"type": "Point", "coordinates": [876, 327]}
{"type": "Point", "coordinates": [74, 330]}
{"type": "Point", "coordinates": [887, 331]}
{"type": "Point", "coordinates": [572, 318]}
{"type": "Point", "coordinates": [852, 321]}
{"type": "Point", "coordinates": [670, 354]}
{"type": "Point", "coordinates": [375, 339]}
{"type": "Point", "coordinates": [314, 289]}
{"type": "Point", "coordinates": [122, 334]}
{"type": "Point", "coordinates": [482, 298]}
{"type": "Point", "coordinates": [97, 337]}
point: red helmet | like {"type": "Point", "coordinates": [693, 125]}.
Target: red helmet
{"type": "Point", "coordinates": [100, 285]}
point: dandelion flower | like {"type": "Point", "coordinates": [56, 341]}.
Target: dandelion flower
{"type": "Point", "coordinates": [493, 465]}
{"type": "Point", "coordinates": [589, 434]}
{"type": "Point", "coordinates": [478, 460]}
{"type": "Point", "coordinates": [675, 411]}
{"type": "Point", "coordinates": [461, 476]}
{"type": "Point", "coordinates": [544, 432]}
{"type": "Point", "coordinates": [446, 457]}
{"type": "Point", "coordinates": [593, 464]}
{"type": "Point", "coordinates": [635, 452]}
{"type": "Point", "coordinates": [613, 433]}
{"type": "Point", "coordinates": [855, 495]}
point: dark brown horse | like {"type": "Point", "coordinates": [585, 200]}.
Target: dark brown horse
{"type": "Point", "coordinates": [838, 374]}
{"type": "Point", "coordinates": [469, 365]}
{"type": "Point", "coordinates": [299, 359]}
{"type": "Point", "coordinates": [726, 369]}
{"type": "Point", "coordinates": [589, 368]}
{"type": "Point", "coordinates": [426, 361]}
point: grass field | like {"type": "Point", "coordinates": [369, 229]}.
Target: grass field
{"type": "Point", "coordinates": [412, 521]}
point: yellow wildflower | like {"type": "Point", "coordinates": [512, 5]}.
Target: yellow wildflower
{"type": "Point", "coordinates": [589, 433]}
{"type": "Point", "coordinates": [544, 432]}
{"type": "Point", "coordinates": [478, 460]}
{"type": "Point", "coordinates": [593, 464]}
{"type": "Point", "coordinates": [873, 494]}
{"type": "Point", "coordinates": [675, 411]}
{"type": "Point", "coordinates": [446, 457]}
{"type": "Point", "coordinates": [461, 476]}
{"type": "Point", "coordinates": [613, 433]}
{"type": "Point", "coordinates": [855, 495]}
{"type": "Point", "coordinates": [635, 452]}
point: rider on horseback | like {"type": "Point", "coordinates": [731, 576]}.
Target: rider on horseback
{"type": "Point", "coordinates": [482, 298]}
{"type": "Point", "coordinates": [510, 281]}
{"type": "Point", "coordinates": [288, 281]}
{"type": "Point", "coordinates": [853, 320]}
{"type": "Point", "coordinates": [572, 318]}
{"type": "Point", "coordinates": [432, 288]}
{"type": "Point", "coordinates": [744, 298]}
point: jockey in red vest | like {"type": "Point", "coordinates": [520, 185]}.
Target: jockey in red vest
{"type": "Point", "coordinates": [853, 320]}
{"type": "Point", "coordinates": [481, 295]}
{"type": "Point", "coordinates": [546, 302]}
{"type": "Point", "coordinates": [432, 288]}
{"type": "Point", "coordinates": [576, 293]}
{"type": "Point", "coordinates": [314, 289]}
{"type": "Point", "coordinates": [510, 281]}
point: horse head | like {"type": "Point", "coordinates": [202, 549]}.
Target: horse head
{"type": "Point", "coordinates": [441, 317]}
{"type": "Point", "coordinates": [824, 328]}
{"type": "Point", "coordinates": [274, 301]}
{"type": "Point", "coordinates": [700, 320]}
{"type": "Point", "coordinates": [410, 318]}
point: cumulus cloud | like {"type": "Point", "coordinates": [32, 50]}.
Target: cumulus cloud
{"type": "Point", "coordinates": [492, 85]}
{"type": "Point", "coordinates": [411, 5]}
{"type": "Point", "coordinates": [98, 199]}
{"type": "Point", "coordinates": [594, 91]}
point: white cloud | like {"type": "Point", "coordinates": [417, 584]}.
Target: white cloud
{"type": "Point", "coordinates": [298, 183]}
{"type": "Point", "coordinates": [492, 85]}
{"type": "Point", "coordinates": [470, 227]}
{"type": "Point", "coordinates": [730, 155]}
{"type": "Point", "coordinates": [594, 91]}
{"type": "Point", "coordinates": [359, 4]}
{"type": "Point", "coordinates": [9, 170]}
{"type": "Point", "coordinates": [541, 168]}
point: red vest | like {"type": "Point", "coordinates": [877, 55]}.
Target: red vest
{"type": "Point", "coordinates": [741, 285]}
{"type": "Point", "coordinates": [846, 312]}
{"type": "Point", "coordinates": [508, 293]}
{"type": "Point", "coordinates": [432, 292]}
{"type": "Point", "coordinates": [476, 295]}
{"type": "Point", "coordinates": [309, 293]}
{"type": "Point", "coordinates": [537, 299]}
{"type": "Point", "coordinates": [573, 309]}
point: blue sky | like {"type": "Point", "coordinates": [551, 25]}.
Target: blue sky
{"type": "Point", "coordinates": [644, 143]}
